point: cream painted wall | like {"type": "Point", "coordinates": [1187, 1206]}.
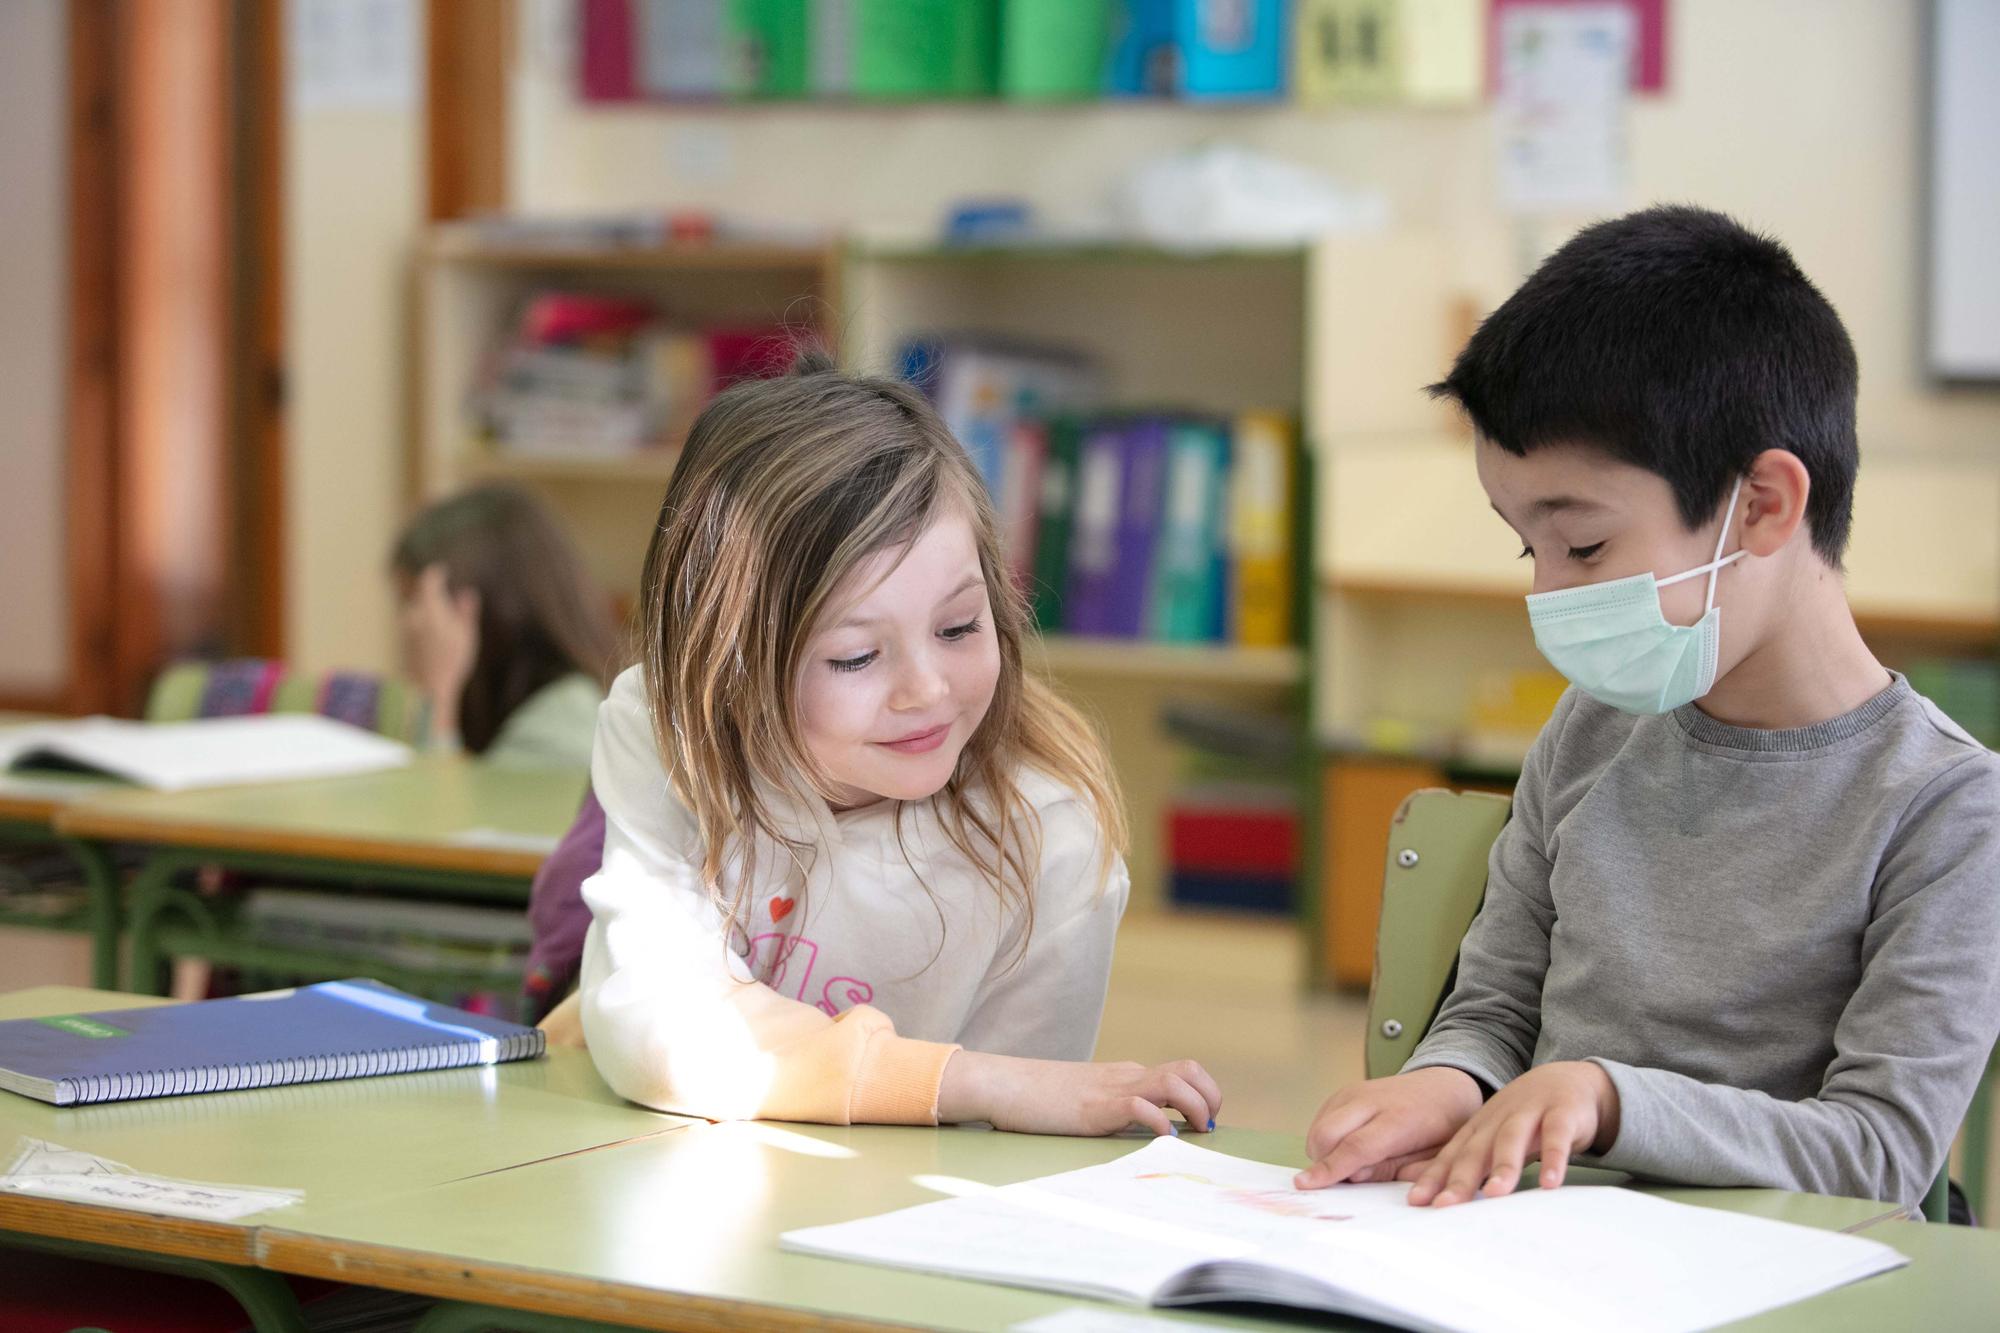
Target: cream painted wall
{"type": "Point", "coordinates": [1799, 116]}
{"type": "Point", "coordinates": [34, 609]}
{"type": "Point", "coordinates": [353, 212]}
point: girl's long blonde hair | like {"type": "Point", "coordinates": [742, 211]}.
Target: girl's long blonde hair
{"type": "Point", "coordinates": [784, 487]}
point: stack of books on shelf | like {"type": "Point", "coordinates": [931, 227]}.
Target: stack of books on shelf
{"type": "Point", "coordinates": [1233, 822]}
{"type": "Point", "coordinates": [582, 374]}
{"type": "Point", "coordinates": [1175, 527]}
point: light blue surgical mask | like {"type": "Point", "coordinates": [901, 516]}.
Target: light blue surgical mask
{"type": "Point", "coordinates": [1613, 643]}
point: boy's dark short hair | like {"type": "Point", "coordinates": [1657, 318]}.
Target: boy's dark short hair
{"type": "Point", "coordinates": [1679, 341]}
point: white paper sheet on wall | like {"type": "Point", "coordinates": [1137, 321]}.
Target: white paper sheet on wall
{"type": "Point", "coordinates": [1559, 115]}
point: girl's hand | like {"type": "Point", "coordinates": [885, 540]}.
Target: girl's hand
{"type": "Point", "coordinates": [1550, 1112]}
{"type": "Point", "coordinates": [441, 639]}
{"type": "Point", "coordinates": [1368, 1131]}
{"type": "Point", "coordinates": [1074, 1096]}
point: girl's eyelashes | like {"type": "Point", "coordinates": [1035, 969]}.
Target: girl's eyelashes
{"type": "Point", "coordinates": [1527, 552]}
{"type": "Point", "coordinates": [950, 634]}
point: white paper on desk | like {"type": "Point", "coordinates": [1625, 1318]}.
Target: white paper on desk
{"type": "Point", "coordinates": [1174, 1224]}
{"type": "Point", "coordinates": [50, 1171]}
{"type": "Point", "coordinates": [208, 752]}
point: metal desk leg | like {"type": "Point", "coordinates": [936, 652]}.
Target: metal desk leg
{"type": "Point", "coordinates": [100, 876]}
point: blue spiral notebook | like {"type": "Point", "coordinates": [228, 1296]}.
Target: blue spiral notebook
{"type": "Point", "coordinates": [336, 1029]}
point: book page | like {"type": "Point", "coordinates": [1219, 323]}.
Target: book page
{"type": "Point", "coordinates": [214, 752]}
{"type": "Point", "coordinates": [1122, 1229]}
{"type": "Point", "coordinates": [1582, 1257]}
{"type": "Point", "coordinates": [1176, 1224]}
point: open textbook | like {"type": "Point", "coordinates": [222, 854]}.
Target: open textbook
{"type": "Point", "coordinates": [1173, 1224]}
{"type": "Point", "coordinates": [210, 752]}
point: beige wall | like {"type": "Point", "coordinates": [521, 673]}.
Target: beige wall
{"type": "Point", "coordinates": [33, 273]}
{"type": "Point", "coordinates": [353, 209]}
{"type": "Point", "coordinates": [1799, 116]}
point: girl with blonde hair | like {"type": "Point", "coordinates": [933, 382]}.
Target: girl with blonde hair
{"type": "Point", "coordinates": [859, 864]}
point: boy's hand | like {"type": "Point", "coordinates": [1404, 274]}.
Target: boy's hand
{"type": "Point", "coordinates": [1075, 1096]}
{"type": "Point", "coordinates": [1550, 1112]}
{"type": "Point", "coordinates": [1369, 1130]}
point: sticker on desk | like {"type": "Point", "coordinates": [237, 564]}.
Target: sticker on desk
{"type": "Point", "coordinates": [503, 840]}
{"type": "Point", "coordinates": [1083, 1319]}
{"type": "Point", "coordinates": [50, 1171]}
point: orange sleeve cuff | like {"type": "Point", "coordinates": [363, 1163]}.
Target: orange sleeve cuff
{"type": "Point", "coordinates": [897, 1080]}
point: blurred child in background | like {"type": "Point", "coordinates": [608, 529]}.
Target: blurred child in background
{"type": "Point", "coordinates": [503, 629]}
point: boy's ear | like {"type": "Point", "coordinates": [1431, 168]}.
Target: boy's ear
{"type": "Point", "coordinates": [1774, 500]}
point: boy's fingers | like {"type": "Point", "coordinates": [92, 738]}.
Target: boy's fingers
{"type": "Point", "coordinates": [1413, 1168]}
{"type": "Point", "coordinates": [1330, 1127]}
{"type": "Point", "coordinates": [1510, 1152]}
{"type": "Point", "coordinates": [1390, 1168]}
{"type": "Point", "coordinates": [1315, 1177]}
{"type": "Point", "coordinates": [1432, 1178]}
{"type": "Point", "coordinates": [1369, 1146]}
{"type": "Point", "coordinates": [1470, 1168]}
{"type": "Point", "coordinates": [1558, 1136]}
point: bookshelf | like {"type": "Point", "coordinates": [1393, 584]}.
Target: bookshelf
{"type": "Point", "coordinates": [468, 289]}
{"type": "Point", "coordinates": [1339, 334]}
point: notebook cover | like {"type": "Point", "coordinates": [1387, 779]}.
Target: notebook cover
{"type": "Point", "coordinates": [311, 1025]}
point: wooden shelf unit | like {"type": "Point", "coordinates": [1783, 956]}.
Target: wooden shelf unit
{"type": "Point", "coordinates": [469, 290]}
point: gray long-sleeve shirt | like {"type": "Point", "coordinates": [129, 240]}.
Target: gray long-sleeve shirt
{"type": "Point", "coordinates": [1782, 946]}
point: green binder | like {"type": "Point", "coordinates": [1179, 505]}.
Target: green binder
{"type": "Point", "coordinates": [1054, 50]}
{"type": "Point", "coordinates": [912, 49]}
{"type": "Point", "coordinates": [772, 50]}
{"type": "Point", "coordinates": [1056, 508]}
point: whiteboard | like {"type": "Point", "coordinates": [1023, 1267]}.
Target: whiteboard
{"type": "Point", "coordinates": [1963, 333]}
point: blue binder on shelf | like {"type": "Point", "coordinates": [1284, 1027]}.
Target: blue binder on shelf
{"type": "Point", "coordinates": [1200, 49]}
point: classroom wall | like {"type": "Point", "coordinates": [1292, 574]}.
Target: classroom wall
{"type": "Point", "coordinates": [352, 216]}
{"type": "Point", "coordinates": [34, 609]}
{"type": "Point", "coordinates": [1799, 116]}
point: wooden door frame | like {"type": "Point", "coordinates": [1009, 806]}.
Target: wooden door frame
{"type": "Point", "coordinates": [468, 64]}
{"type": "Point", "coordinates": [124, 60]}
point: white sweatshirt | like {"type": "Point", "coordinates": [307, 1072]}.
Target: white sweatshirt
{"type": "Point", "coordinates": [852, 984]}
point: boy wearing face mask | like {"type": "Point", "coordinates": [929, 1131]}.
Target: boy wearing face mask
{"type": "Point", "coordinates": [1744, 925]}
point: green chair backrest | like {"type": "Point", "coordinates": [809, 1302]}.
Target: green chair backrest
{"type": "Point", "coordinates": [177, 694]}
{"type": "Point", "coordinates": [1431, 889]}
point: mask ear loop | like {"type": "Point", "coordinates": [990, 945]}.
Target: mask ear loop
{"type": "Point", "coordinates": [1715, 562]}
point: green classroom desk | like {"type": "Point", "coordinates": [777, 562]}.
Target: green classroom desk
{"type": "Point", "coordinates": [445, 826]}
{"type": "Point", "coordinates": [343, 1143]}
{"type": "Point", "coordinates": [531, 1187]}
{"type": "Point", "coordinates": [600, 1235]}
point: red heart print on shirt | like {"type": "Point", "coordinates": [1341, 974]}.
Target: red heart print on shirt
{"type": "Point", "coordinates": [780, 908]}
